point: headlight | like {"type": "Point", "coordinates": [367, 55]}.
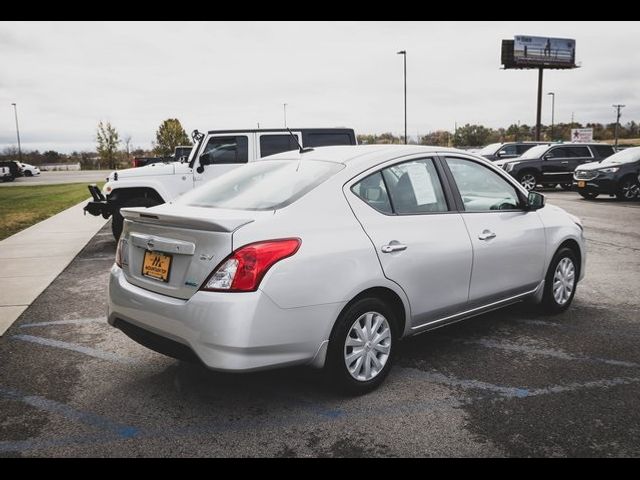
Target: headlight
{"type": "Point", "coordinates": [509, 166]}
{"type": "Point", "coordinates": [609, 170]}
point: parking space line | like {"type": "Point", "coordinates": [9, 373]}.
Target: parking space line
{"type": "Point", "coordinates": [70, 413]}
{"type": "Point", "coordinates": [76, 348]}
{"type": "Point", "coordinates": [545, 352]}
{"type": "Point", "coordinates": [78, 321]}
{"type": "Point", "coordinates": [517, 392]}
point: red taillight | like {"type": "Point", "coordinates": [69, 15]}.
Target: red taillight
{"type": "Point", "coordinates": [244, 269]}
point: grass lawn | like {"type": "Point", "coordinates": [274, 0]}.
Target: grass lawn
{"type": "Point", "coordinates": [21, 207]}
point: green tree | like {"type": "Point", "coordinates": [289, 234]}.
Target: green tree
{"type": "Point", "coordinates": [169, 135]}
{"type": "Point", "coordinates": [108, 140]}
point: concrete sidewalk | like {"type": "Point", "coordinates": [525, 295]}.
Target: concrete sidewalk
{"type": "Point", "coordinates": [31, 259]}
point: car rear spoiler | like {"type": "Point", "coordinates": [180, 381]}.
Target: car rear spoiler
{"type": "Point", "coordinates": [142, 215]}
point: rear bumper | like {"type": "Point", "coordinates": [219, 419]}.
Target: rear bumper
{"type": "Point", "coordinates": [225, 331]}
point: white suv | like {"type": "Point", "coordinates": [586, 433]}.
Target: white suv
{"type": "Point", "coordinates": [213, 154]}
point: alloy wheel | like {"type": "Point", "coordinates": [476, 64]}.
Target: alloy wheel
{"type": "Point", "coordinates": [528, 181]}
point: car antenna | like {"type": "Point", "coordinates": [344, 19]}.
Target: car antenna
{"type": "Point", "coordinates": [302, 149]}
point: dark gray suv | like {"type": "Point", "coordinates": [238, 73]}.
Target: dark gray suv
{"type": "Point", "coordinates": [553, 164]}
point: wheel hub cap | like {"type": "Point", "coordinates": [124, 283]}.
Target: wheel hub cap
{"type": "Point", "coordinates": [564, 280]}
{"type": "Point", "coordinates": [367, 347]}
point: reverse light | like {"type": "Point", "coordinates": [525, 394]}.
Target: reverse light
{"type": "Point", "coordinates": [244, 269]}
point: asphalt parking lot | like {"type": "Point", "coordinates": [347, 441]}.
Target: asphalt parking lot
{"type": "Point", "coordinates": [509, 383]}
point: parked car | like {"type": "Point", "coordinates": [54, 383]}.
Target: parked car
{"type": "Point", "coordinates": [329, 257]}
{"type": "Point", "coordinates": [14, 167]}
{"type": "Point", "coordinates": [553, 164]}
{"type": "Point", "coordinates": [615, 175]}
{"type": "Point", "coordinates": [29, 170]}
{"type": "Point", "coordinates": [501, 151]}
{"type": "Point", "coordinates": [213, 154]}
{"type": "Point", "coordinates": [5, 174]}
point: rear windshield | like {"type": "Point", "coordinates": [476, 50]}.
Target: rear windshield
{"type": "Point", "coordinates": [489, 149]}
{"type": "Point", "coordinates": [263, 185]}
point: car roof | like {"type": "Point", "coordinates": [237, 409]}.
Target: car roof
{"type": "Point", "coordinates": [361, 157]}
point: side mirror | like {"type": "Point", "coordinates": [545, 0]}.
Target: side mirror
{"type": "Point", "coordinates": [535, 201]}
{"type": "Point", "coordinates": [546, 157]}
{"type": "Point", "coordinates": [205, 159]}
{"type": "Point", "coordinates": [501, 153]}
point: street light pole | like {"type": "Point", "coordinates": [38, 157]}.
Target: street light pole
{"type": "Point", "coordinates": [15, 111]}
{"type": "Point", "coordinates": [617, 107]}
{"type": "Point", "coordinates": [285, 114]}
{"type": "Point", "coordinates": [553, 109]}
{"type": "Point", "coordinates": [404, 54]}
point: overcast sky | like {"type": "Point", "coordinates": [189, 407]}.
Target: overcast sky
{"type": "Point", "coordinates": [65, 77]}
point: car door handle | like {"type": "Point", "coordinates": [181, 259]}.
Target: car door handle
{"type": "Point", "coordinates": [393, 246]}
{"type": "Point", "coordinates": [566, 161]}
{"type": "Point", "coordinates": [486, 235]}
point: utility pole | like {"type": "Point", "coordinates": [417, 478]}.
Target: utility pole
{"type": "Point", "coordinates": [572, 119]}
{"type": "Point", "coordinates": [15, 111]}
{"type": "Point", "coordinates": [404, 54]}
{"type": "Point", "coordinates": [617, 107]}
{"type": "Point", "coordinates": [553, 109]}
{"type": "Point", "coordinates": [539, 109]}
{"type": "Point", "coordinates": [285, 114]}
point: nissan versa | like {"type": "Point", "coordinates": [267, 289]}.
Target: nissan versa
{"type": "Point", "coordinates": [328, 257]}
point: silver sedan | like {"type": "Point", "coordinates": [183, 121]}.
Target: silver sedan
{"type": "Point", "coordinates": [329, 257]}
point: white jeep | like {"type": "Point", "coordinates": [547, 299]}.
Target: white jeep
{"type": "Point", "coordinates": [213, 154]}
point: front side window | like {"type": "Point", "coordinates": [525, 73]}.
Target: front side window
{"type": "Point", "coordinates": [482, 189]}
{"type": "Point", "coordinates": [509, 150]}
{"type": "Point", "coordinates": [262, 185]}
{"type": "Point", "coordinates": [231, 149]}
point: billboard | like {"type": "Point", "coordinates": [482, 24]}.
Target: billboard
{"type": "Point", "coordinates": [582, 134]}
{"type": "Point", "coordinates": [535, 52]}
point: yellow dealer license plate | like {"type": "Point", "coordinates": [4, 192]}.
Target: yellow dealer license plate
{"type": "Point", "coordinates": [156, 265]}
{"type": "Point", "coordinates": [582, 184]}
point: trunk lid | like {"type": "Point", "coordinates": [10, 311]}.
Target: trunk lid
{"type": "Point", "coordinates": [195, 240]}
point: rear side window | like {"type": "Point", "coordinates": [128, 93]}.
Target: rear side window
{"type": "Point", "coordinates": [232, 149]}
{"type": "Point", "coordinates": [263, 185]}
{"type": "Point", "coordinates": [523, 148]}
{"type": "Point", "coordinates": [272, 144]}
{"type": "Point", "coordinates": [327, 139]}
{"type": "Point", "coordinates": [579, 151]}
{"type": "Point", "coordinates": [374, 192]}
{"type": "Point", "coordinates": [602, 151]}
{"type": "Point", "coordinates": [415, 187]}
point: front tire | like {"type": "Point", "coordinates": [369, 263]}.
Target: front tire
{"type": "Point", "coordinates": [362, 346]}
{"type": "Point", "coordinates": [528, 180]}
{"type": "Point", "coordinates": [28, 173]}
{"type": "Point", "coordinates": [117, 221]}
{"type": "Point", "coordinates": [567, 187]}
{"type": "Point", "coordinates": [561, 281]}
{"type": "Point", "coordinates": [588, 195]}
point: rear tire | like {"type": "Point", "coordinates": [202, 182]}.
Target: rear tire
{"type": "Point", "coordinates": [362, 346]}
{"type": "Point", "coordinates": [588, 195]}
{"type": "Point", "coordinates": [117, 221]}
{"type": "Point", "coordinates": [628, 188]}
{"type": "Point", "coordinates": [567, 187]}
{"type": "Point", "coordinates": [561, 281]}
